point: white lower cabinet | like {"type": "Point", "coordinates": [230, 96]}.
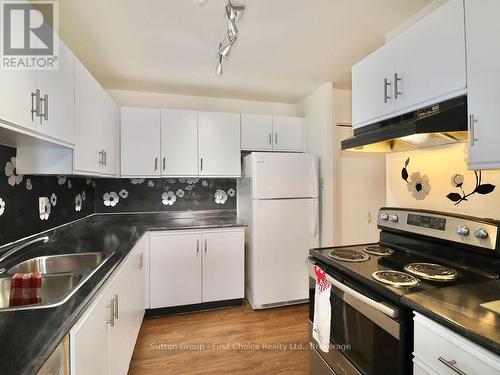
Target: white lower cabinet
{"type": "Point", "coordinates": [438, 350]}
{"type": "Point", "coordinates": [191, 267]}
{"type": "Point", "coordinates": [103, 340]}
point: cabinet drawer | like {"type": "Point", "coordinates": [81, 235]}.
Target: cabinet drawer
{"type": "Point", "coordinates": [435, 344]}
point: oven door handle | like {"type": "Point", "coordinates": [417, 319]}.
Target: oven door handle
{"type": "Point", "coordinates": [379, 306]}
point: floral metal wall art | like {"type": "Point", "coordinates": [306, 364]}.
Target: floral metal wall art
{"type": "Point", "coordinates": [457, 180]}
{"type": "Point", "coordinates": [418, 184]}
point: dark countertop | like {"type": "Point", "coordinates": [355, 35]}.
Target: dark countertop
{"type": "Point", "coordinates": [458, 308]}
{"type": "Point", "coordinates": [28, 337]}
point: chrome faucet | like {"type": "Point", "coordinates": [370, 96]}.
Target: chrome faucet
{"type": "Point", "coordinates": [15, 249]}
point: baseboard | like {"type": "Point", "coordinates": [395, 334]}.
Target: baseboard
{"type": "Point", "coordinates": [163, 311]}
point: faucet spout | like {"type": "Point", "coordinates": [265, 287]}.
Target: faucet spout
{"type": "Point", "coordinates": [15, 249]}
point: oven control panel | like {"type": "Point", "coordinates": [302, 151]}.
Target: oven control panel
{"type": "Point", "coordinates": [456, 228]}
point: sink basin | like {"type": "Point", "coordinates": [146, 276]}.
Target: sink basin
{"type": "Point", "coordinates": [59, 263]}
{"type": "Point", "coordinates": [54, 288]}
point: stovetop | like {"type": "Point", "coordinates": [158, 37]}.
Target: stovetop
{"type": "Point", "coordinates": [362, 271]}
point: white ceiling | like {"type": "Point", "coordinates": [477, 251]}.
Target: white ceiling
{"type": "Point", "coordinates": [286, 48]}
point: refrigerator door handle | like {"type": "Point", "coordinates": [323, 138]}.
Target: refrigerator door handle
{"type": "Point", "coordinates": [316, 217]}
{"type": "Point", "coordinates": [315, 177]}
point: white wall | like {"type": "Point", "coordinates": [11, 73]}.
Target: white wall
{"type": "Point", "coordinates": [439, 165]}
{"type": "Point", "coordinates": [199, 103]}
{"type": "Point", "coordinates": [317, 108]}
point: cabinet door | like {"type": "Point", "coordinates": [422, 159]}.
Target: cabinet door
{"type": "Point", "coordinates": [372, 86]}
{"type": "Point", "coordinates": [219, 144]}
{"type": "Point", "coordinates": [430, 58]}
{"type": "Point", "coordinates": [179, 143]}
{"type": "Point", "coordinates": [483, 81]}
{"type": "Point", "coordinates": [175, 269]}
{"type": "Point", "coordinates": [288, 133]}
{"type": "Point", "coordinates": [89, 112]}
{"type": "Point", "coordinates": [140, 142]}
{"type": "Point", "coordinates": [58, 86]}
{"type": "Point", "coordinates": [223, 265]}
{"type": "Point", "coordinates": [137, 279]}
{"type": "Point", "coordinates": [89, 339]}
{"type": "Point", "coordinates": [256, 132]}
{"type": "Point", "coordinates": [110, 135]}
{"type": "Point", "coordinates": [15, 95]}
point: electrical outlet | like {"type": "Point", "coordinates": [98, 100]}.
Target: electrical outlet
{"type": "Point", "coordinates": [42, 207]}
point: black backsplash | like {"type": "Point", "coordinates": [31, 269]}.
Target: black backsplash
{"type": "Point", "coordinates": [164, 194]}
{"type": "Point", "coordinates": [72, 198]}
{"type": "Point", "coordinates": [69, 198]}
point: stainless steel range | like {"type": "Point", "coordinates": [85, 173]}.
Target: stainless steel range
{"type": "Point", "coordinates": [371, 330]}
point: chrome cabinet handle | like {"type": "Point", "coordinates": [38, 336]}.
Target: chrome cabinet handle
{"type": "Point", "coordinates": [397, 79]}
{"type": "Point", "coordinates": [201, 165]}
{"type": "Point", "coordinates": [197, 247]}
{"type": "Point", "coordinates": [141, 262]}
{"type": "Point", "coordinates": [451, 365]}
{"type": "Point", "coordinates": [270, 139]}
{"type": "Point", "coordinates": [104, 158]}
{"type": "Point", "coordinates": [156, 164]}
{"type": "Point", "coordinates": [116, 306]}
{"type": "Point", "coordinates": [276, 138]}
{"type": "Point", "coordinates": [101, 157]}
{"type": "Point", "coordinates": [386, 91]}
{"type": "Point", "coordinates": [45, 114]}
{"type": "Point", "coordinates": [206, 246]}
{"type": "Point", "coordinates": [35, 104]}
{"type": "Point", "coordinates": [164, 162]}
{"type": "Point", "coordinates": [472, 129]}
{"type": "Point", "coordinates": [111, 307]}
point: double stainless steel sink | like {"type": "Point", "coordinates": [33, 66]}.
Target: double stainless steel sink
{"type": "Point", "coordinates": [62, 275]}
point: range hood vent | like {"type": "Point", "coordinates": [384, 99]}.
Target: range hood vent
{"type": "Point", "coordinates": [436, 125]}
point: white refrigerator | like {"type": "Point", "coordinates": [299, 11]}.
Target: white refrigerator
{"type": "Point", "coordinates": [278, 199]}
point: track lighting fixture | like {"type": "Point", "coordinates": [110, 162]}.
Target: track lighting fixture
{"type": "Point", "coordinates": [233, 14]}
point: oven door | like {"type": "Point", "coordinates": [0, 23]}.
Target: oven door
{"type": "Point", "coordinates": [365, 334]}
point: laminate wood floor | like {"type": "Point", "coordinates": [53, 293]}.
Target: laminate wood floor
{"type": "Point", "coordinates": [234, 341]}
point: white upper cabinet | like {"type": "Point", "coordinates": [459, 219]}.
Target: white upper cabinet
{"type": "Point", "coordinates": [17, 98]}
{"type": "Point", "coordinates": [430, 58]}
{"type": "Point", "coordinates": [483, 76]}
{"type": "Point", "coordinates": [288, 133]}
{"type": "Point", "coordinates": [219, 144]}
{"type": "Point", "coordinates": [96, 138]}
{"type": "Point", "coordinates": [57, 98]}
{"type": "Point", "coordinates": [256, 132]}
{"type": "Point", "coordinates": [179, 143]}
{"type": "Point", "coordinates": [423, 65]}
{"type": "Point", "coordinates": [140, 142]}
{"type": "Point", "coordinates": [372, 86]}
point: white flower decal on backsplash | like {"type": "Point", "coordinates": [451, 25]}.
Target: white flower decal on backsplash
{"type": "Point", "coordinates": [53, 199]}
{"type": "Point", "coordinates": [151, 183]}
{"type": "Point", "coordinates": [110, 199]}
{"type": "Point", "coordinates": [231, 192]}
{"type": "Point", "coordinates": [417, 184]}
{"type": "Point", "coordinates": [61, 180]}
{"type": "Point", "coordinates": [123, 193]}
{"type": "Point", "coordinates": [29, 185]}
{"type": "Point", "coordinates": [78, 202]}
{"type": "Point", "coordinates": [45, 214]}
{"type": "Point", "coordinates": [70, 185]}
{"type": "Point", "coordinates": [179, 193]}
{"type": "Point", "coordinates": [204, 183]}
{"type": "Point", "coordinates": [220, 196]}
{"type": "Point", "coordinates": [10, 172]}
{"type": "Point", "coordinates": [2, 206]}
{"type": "Point", "coordinates": [137, 181]}
{"type": "Point", "coordinates": [84, 195]}
{"type": "Point", "coordinates": [168, 198]}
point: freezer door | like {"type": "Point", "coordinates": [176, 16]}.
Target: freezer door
{"type": "Point", "coordinates": [283, 233]}
{"type": "Point", "coordinates": [282, 175]}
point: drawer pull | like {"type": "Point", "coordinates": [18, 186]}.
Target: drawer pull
{"type": "Point", "coordinates": [452, 365]}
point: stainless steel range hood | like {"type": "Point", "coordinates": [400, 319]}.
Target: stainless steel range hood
{"type": "Point", "coordinates": [439, 124]}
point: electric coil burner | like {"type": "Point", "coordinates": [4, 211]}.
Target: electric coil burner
{"type": "Point", "coordinates": [396, 278]}
{"type": "Point", "coordinates": [431, 271]}
{"type": "Point", "coordinates": [378, 250]}
{"type": "Point", "coordinates": [417, 251]}
{"type": "Point", "coordinates": [348, 255]}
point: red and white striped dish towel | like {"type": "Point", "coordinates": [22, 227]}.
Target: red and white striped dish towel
{"type": "Point", "coordinates": [322, 310]}
{"type": "Point", "coordinates": [25, 289]}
